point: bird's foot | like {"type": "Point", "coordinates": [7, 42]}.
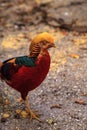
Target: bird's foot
{"type": "Point", "coordinates": [33, 115]}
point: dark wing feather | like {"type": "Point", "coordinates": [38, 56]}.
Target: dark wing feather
{"type": "Point", "coordinates": [8, 69]}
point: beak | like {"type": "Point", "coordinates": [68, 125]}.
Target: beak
{"type": "Point", "coordinates": [53, 45]}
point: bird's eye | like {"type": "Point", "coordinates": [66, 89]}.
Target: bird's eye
{"type": "Point", "coordinates": [45, 42]}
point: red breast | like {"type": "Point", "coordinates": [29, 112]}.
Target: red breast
{"type": "Point", "coordinates": [28, 78]}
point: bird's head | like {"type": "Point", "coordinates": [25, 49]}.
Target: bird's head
{"type": "Point", "coordinates": [41, 43]}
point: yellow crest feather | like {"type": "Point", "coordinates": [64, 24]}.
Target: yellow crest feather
{"type": "Point", "coordinates": [43, 36]}
{"type": "Point", "coordinates": [34, 46]}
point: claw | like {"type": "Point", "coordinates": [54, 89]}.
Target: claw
{"type": "Point", "coordinates": [34, 115]}
{"type": "Point", "coordinates": [31, 113]}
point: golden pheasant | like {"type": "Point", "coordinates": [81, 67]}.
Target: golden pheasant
{"type": "Point", "coordinates": [25, 73]}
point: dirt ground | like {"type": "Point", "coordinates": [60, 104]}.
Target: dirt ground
{"type": "Point", "coordinates": [61, 100]}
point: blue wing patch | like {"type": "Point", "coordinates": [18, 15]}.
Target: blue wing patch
{"type": "Point", "coordinates": [25, 60]}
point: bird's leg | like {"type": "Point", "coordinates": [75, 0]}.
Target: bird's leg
{"type": "Point", "coordinates": [32, 114]}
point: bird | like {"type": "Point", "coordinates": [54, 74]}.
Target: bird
{"type": "Point", "coordinates": [25, 73]}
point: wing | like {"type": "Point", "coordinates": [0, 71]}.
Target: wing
{"type": "Point", "coordinates": [11, 66]}
{"type": "Point", "coordinates": [8, 68]}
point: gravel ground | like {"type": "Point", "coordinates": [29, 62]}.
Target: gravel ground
{"type": "Point", "coordinates": [61, 99]}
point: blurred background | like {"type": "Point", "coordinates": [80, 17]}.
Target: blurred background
{"type": "Point", "coordinates": [23, 14]}
{"type": "Point", "coordinates": [21, 20]}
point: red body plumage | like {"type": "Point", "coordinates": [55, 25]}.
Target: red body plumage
{"type": "Point", "coordinates": [28, 78]}
{"type": "Point", "coordinates": [25, 73]}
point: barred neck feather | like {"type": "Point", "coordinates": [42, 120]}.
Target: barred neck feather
{"type": "Point", "coordinates": [34, 50]}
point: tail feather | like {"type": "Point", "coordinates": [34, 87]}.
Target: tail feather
{"type": "Point", "coordinates": [1, 64]}
{"type": "Point", "coordinates": [0, 68]}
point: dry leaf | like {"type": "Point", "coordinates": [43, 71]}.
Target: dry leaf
{"type": "Point", "coordinates": [6, 102]}
{"type": "Point", "coordinates": [20, 35]}
{"type": "Point", "coordinates": [80, 41]}
{"type": "Point", "coordinates": [17, 128]}
{"type": "Point", "coordinates": [6, 115]}
{"type": "Point", "coordinates": [81, 102]}
{"type": "Point", "coordinates": [84, 94]}
{"type": "Point", "coordinates": [18, 111]}
{"type": "Point", "coordinates": [74, 56]}
{"type": "Point", "coordinates": [64, 33]}
{"type": "Point", "coordinates": [24, 114]}
{"type": "Point", "coordinates": [50, 121]}
{"type": "Point", "coordinates": [56, 106]}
